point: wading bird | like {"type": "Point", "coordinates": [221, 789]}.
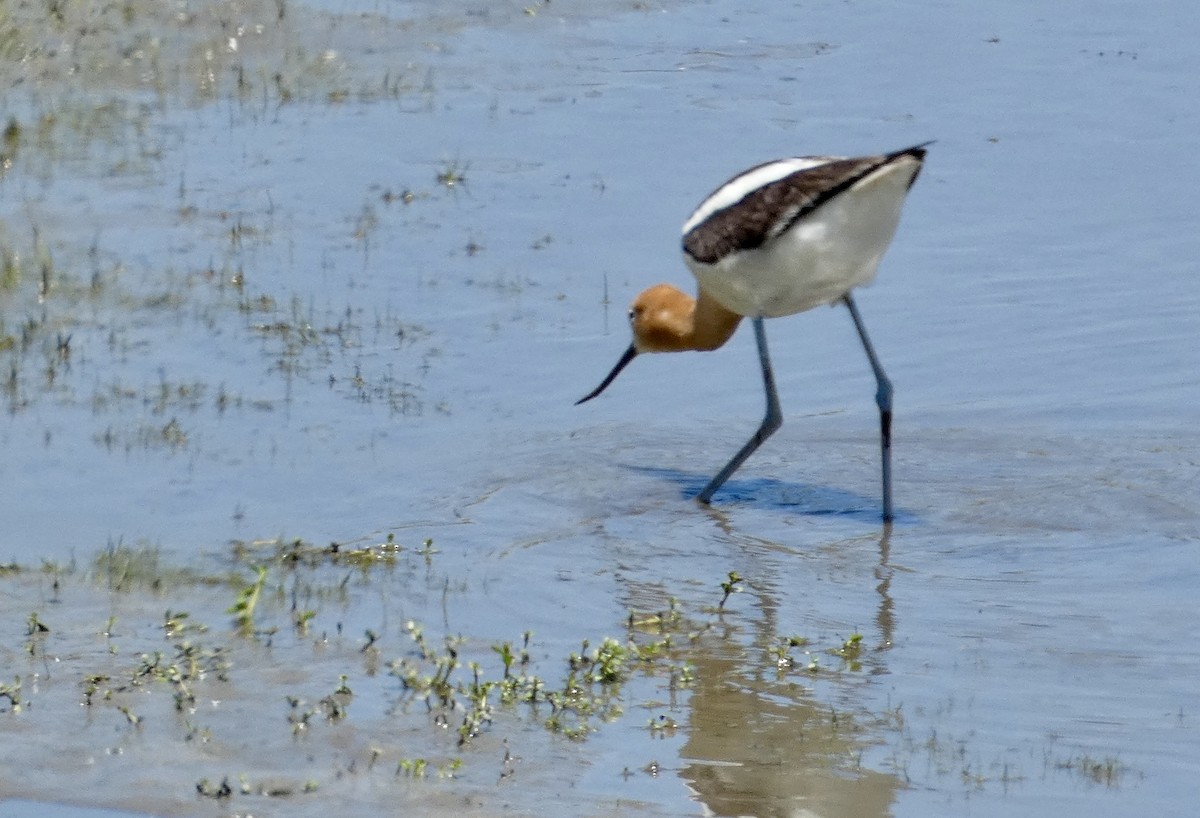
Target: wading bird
{"type": "Point", "coordinates": [778, 239]}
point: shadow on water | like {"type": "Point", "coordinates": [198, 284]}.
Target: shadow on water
{"type": "Point", "coordinates": [785, 495]}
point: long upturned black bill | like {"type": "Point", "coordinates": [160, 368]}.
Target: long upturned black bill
{"type": "Point", "coordinates": [629, 355]}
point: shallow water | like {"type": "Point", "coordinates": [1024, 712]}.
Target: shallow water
{"type": "Point", "coordinates": [353, 288]}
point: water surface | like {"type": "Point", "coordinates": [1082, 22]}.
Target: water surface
{"type": "Point", "coordinates": [343, 279]}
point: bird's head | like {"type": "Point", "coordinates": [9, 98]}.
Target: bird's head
{"type": "Point", "coordinates": [662, 320]}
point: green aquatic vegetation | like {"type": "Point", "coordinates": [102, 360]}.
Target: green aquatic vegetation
{"type": "Point", "coordinates": [457, 687]}
{"type": "Point", "coordinates": [179, 668]}
{"type": "Point", "coordinates": [93, 684]}
{"type": "Point", "coordinates": [419, 768]}
{"type": "Point", "coordinates": [298, 717]}
{"type": "Point", "coordinates": [146, 436]}
{"type": "Point", "coordinates": [506, 657]}
{"type": "Point", "coordinates": [609, 661]}
{"type": "Point", "coordinates": [511, 683]}
{"type": "Point", "coordinates": [369, 556]}
{"type": "Point", "coordinates": [124, 568]}
{"type": "Point", "coordinates": [218, 792]}
{"type": "Point", "coordinates": [649, 651]}
{"type": "Point", "coordinates": [133, 718]}
{"type": "Point", "coordinates": [780, 653]}
{"type": "Point", "coordinates": [412, 767]}
{"type": "Point", "coordinates": [662, 726]}
{"type": "Point", "coordinates": [10, 279]}
{"type": "Point", "coordinates": [588, 692]}
{"type": "Point", "coordinates": [35, 626]}
{"type": "Point", "coordinates": [35, 630]}
{"type": "Point", "coordinates": [850, 652]}
{"type": "Point", "coordinates": [300, 620]}
{"type": "Point", "coordinates": [522, 689]}
{"type": "Point", "coordinates": [336, 705]}
{"type": "Point", "coordinates": [405, 196]}
{"type": "Point", "coordinates": [1106, 771]}
{"type": "Point", "coordinates": [175, 623]}
{"type": "Point", "coordinates": [178, 396]}
{"type": "Point", "coordinates": [659, 622]}
{"type": "Point", "coordinates": [729, 587]}
{"type": "Point", "coordinates": [461, 689]}
{"type": "Point", "coordinates": [12, 693]}
{"type": "Point", "coordinates": [453, 174]}
{"type": "Point", "coordinates": [682, 675]}
{"type": "Point", "coordinates": [591, 690]}
{"type": "Point", "coordinates": [82, 294]}
{"type": "Point", "coordinates": [298, 554]}
{"type": "Point", "coordinates": [190, 662]}
{"type": "Point", "coordinates": [247, 600]}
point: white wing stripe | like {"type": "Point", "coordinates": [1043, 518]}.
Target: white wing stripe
{"type": "Point", "coordinates": [740, 186]}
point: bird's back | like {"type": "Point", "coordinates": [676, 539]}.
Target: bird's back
{"type": "Point", "coordinates": [792, 234]}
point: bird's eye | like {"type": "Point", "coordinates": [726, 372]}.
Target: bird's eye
{"type": "Point", "coordinates": [632, 315]}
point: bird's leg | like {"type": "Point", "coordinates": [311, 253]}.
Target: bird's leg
{"type": "Point", "coordinates": [883, 397]}
{"type": "Point", "coordinates": [771, 421]}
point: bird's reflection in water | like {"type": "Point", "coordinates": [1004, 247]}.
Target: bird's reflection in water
{"type": "Point", "coordinates": [759, 742]}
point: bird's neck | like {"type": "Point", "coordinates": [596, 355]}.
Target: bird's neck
{"type": "Point", "coordinates": [712, 324]}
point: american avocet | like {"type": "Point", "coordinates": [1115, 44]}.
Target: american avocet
{"type": "Point", "coordinates": [779, 239]}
